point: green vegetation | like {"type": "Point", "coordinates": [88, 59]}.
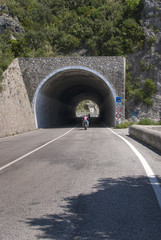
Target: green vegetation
{"type": "Point", "coordinates": [151, 40]}
{"type": "Point", "coordinates": [146, 67]}
{"type": "Point", "coordinates": [54, 28]}
{"type": "Point", "coordinates": [124, 125]}
{"type": "Point", "coordinates": [83, 106]}
{"type": "Point", "coordinates": [140, 93]}
{"type": "Point", "coordinates": [6, 55]}
{"type": "Point", "coordinates": [144, 121]}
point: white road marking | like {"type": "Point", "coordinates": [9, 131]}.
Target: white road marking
{"type": "Point", "coordinates": [152, 178]}
{"type": "Point", "coordinates": [35, 150]}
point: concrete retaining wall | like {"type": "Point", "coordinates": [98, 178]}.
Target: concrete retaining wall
{"type": "Point", "coordinates": [15, 109]}
{"type": "Point", "coordinates": [148, 134]}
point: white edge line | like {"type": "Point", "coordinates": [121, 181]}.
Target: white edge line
{"type": "Point", "coordinates": [35, 150]}
{"type": "Point", "coordinates": [152, 178]}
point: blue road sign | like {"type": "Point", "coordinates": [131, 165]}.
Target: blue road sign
{"type": "Point", "coordinates": [118, 99]}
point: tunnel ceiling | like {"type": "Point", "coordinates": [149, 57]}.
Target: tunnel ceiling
{"type": "Point", "coordinates": [73, 86]}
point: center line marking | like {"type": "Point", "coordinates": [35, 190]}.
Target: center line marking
{"type": "Point", "coordinates": [152, 178]}
{"type": "Point", "coordinates": [35, 150]}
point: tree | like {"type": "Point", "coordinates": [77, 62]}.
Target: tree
{"type": "Point", "coordinates": [19, 47]}
{"type": "Point", "coordinates": [149, 87]}
{"type": "Point", "coordinates": [113, 47]}
{"type": "Point", "coordinates": [132, 4]}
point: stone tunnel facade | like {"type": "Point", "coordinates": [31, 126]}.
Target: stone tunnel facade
{"type": "Point", "coordinates": [55, 86]}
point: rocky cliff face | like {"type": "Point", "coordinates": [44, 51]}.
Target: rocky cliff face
{"type": "Point", "coordinates": [7, 22]}
{"type": "Point", "coordinates": [147, 63]}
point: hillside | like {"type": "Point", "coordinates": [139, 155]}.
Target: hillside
{"type": "Point", "coordinates": [143, 83]}
{"type": "Point", "coordinates": [64, 27]}
{"type": "Point", "coordinates": [50, 28]}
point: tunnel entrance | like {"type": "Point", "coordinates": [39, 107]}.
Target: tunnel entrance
{"type": "Point", "coordinates": [58, 95]}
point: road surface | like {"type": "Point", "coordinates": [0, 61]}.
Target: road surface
{"type": "Point", "coordinates": [72, 184]}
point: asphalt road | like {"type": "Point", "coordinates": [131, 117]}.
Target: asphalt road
{"type": "Point", "coordinates": [85, 185]}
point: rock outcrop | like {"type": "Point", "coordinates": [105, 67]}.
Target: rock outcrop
{"type": "Point", "coordinates": [147, 63]}
{"type": "Point", "coordinates": [7, 22]}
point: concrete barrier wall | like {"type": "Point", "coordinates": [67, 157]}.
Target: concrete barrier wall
{"type": "Point", "coordinates": [15, 109]}
{"type": "Point", "coordinates": [148, 134]}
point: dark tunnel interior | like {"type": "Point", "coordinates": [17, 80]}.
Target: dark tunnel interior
{"type": "Point", "coordinates": [59, 95]}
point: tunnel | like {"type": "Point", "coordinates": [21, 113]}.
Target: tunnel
{"type": "Point", "coordinates": [58, 95]}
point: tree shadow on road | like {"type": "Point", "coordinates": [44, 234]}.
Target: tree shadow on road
{"type": "Point", "coordinates": [117, 209]}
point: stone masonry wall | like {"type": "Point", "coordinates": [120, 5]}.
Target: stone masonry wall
{"type": "Point", "coordinates": [23, 76]}
{"type": "Point", "coordinates": [15, 109]}
{"type": "Point", "coordinates": [34, 70]}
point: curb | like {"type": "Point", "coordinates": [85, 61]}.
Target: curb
{"type": "Point", "coordinates": [148, 134]}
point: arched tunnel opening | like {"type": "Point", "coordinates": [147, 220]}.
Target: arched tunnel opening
{"type": "Point", "coordinates": [87, 107]}
{"type": "Point", "coordinates": [59, 94]}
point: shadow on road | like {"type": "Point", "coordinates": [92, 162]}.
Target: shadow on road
{"type": "Point", "coordinates": [117, 209]}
